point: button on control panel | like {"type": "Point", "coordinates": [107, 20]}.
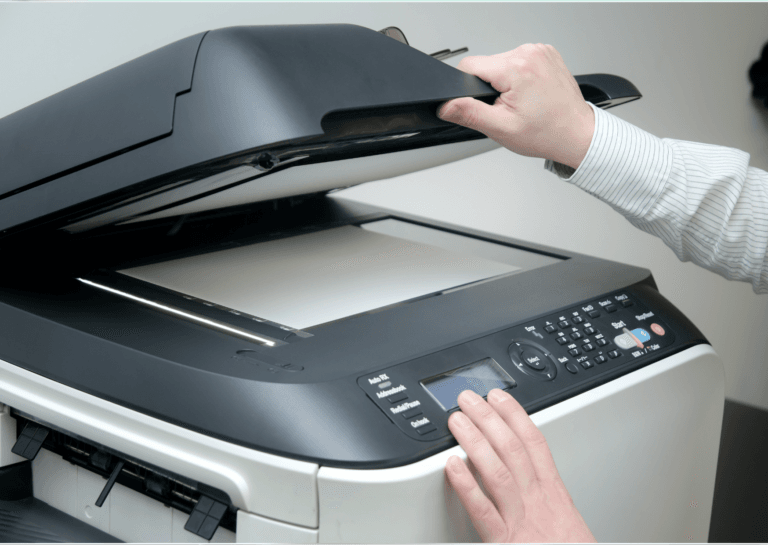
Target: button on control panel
{"type": "Point", "coordinates": [612, 329]}
{"type": "Point", "coordinates": [403, 403]}
{"type": "Point", "coordinates": [531, 361]}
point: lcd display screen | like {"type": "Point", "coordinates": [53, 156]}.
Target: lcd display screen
{"type": "Point", "coordinates": [481, 377]}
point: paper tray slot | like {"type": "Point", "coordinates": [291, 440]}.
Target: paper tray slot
{"type": "Point", "coordinates": [160, 484]}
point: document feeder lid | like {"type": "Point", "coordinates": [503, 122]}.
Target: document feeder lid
{"type": "Point", "coordinates": [234, 116]}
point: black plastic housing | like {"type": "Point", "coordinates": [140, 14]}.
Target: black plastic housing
{"type": "Point", "coordinates": [228, 97]}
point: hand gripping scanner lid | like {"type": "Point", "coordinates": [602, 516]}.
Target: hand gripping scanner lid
{"type": "Point", "coordinates": [187, 306]}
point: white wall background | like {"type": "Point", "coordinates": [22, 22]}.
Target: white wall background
{"type": "Point", "coordinates": [689, 60]}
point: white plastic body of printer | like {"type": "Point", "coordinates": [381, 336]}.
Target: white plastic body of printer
{"type": "Point", "coordinates": [637, 454]}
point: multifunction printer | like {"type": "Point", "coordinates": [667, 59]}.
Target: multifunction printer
{"type": "Point", "coordinates": [202, 339]}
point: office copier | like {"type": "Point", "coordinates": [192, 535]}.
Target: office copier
{"type": "Point", "coordinates": [201, 340]}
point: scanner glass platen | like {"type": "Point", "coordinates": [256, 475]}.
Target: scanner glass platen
{"type": "Point", "coordinates": [315, 278]}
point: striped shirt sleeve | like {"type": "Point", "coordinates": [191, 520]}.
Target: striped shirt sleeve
{"type": "Point", "coordinates": [704, 201]}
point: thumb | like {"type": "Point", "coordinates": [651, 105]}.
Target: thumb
{"type": "Point", "coordinates": [471, 113]}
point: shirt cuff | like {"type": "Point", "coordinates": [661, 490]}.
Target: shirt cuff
{"type": "Point", "coordinates": [625, 166]}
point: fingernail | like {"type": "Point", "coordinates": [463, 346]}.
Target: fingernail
{"type": "Point", "coordinates": [471, 397]}
{"type": "Point", "coordinates": [441, 110]}
{"type": "Point", "coordinates": [461, 420]}
{"type": "Point", "coordinates": [454, 464]}
{"type": "Point", "coordinates": [497, 395]}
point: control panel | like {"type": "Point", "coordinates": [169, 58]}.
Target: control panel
{"type": "Point", "coordinates": [533, 361]}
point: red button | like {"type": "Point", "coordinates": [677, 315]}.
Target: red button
{"type": "Point", "coordinates": [656, 328]}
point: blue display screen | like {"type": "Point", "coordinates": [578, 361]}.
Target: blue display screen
{"type": "Point", "coordinates": [481, 377]}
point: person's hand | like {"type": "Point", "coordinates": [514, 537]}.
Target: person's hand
{"type": "Point", "coordinates": [529, 502]}
{"type": "Point", "coordinates": [541, 111]}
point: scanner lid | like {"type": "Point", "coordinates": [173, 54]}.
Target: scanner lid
{"type": "Point", "coordinates": [233, 116]}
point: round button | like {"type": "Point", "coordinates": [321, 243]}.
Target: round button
{"type": "Point", "coordinates": [533, 358]}
{"type": "Point", "coordinates": [656, 328]}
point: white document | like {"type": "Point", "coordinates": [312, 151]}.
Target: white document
{"type": "Point", "coordinates": [311, 279]}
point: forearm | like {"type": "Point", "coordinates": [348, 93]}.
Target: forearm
{"type": "Point", "coordinates": [703, 201]}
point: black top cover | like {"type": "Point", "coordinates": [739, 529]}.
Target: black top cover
{"type": "Point", "coordinates": [233, 96]}
{"type": "Point", "coordinates": [252, 88]}
{"type": "Point", "coordinates": [116, 111]}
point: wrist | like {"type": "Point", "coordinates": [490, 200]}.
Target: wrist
{"type": "Point", "coordinates": [579, 140]}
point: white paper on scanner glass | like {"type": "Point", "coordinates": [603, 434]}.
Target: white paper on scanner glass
{"type": "Point", "coordinates": [319, 277]}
